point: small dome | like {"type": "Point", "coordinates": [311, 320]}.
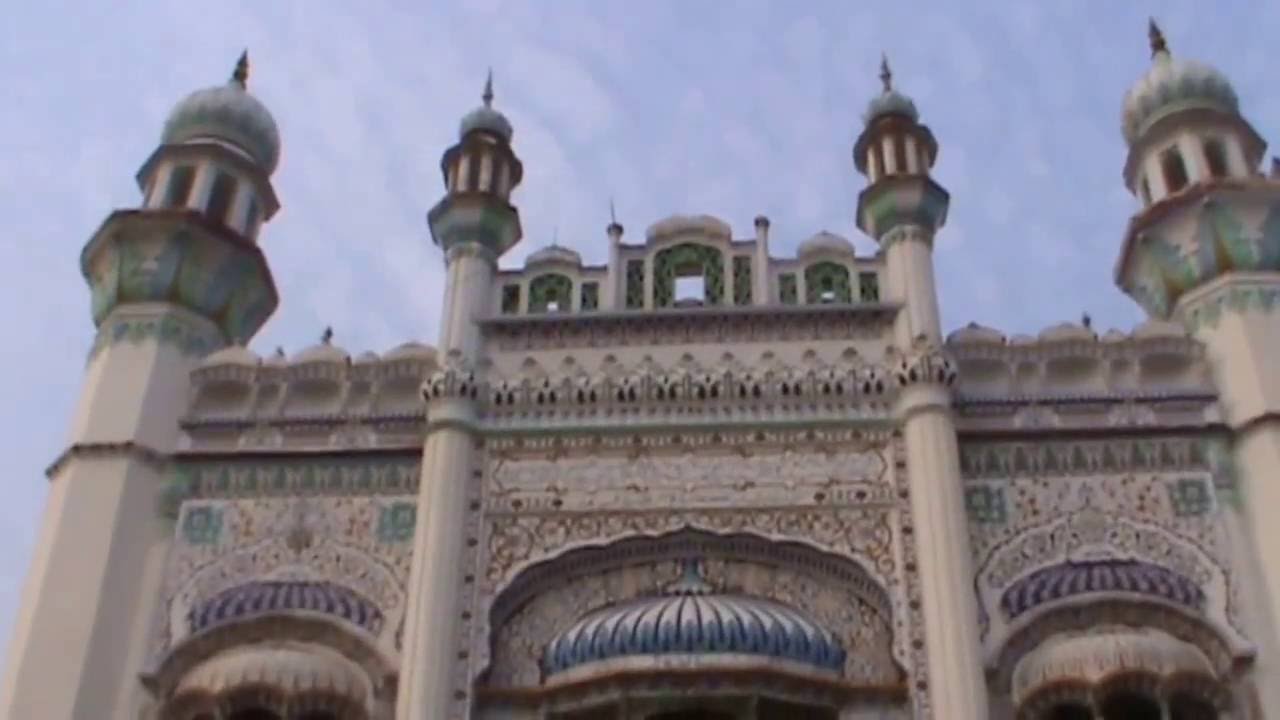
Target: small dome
{"type": "Point", "coordinates": [227, 112]}
{"type": "Point", "coordinates": [323, 352]}
{"type": "Point", "coordinates": [1066, 332]}
{"type": "Point", "coordinates": [1158, 329]}
{"type": "Point", "coordinates": [238, 355]}
{"type": "Point", "coordinates": [411, 351]}
{"type": "Point", "coordinates": [486, 118]}
{"type": "Point", "coordinates": [1172, 85]}
{"type": "Point", "coordinates": [975, 334]}
{"type": "Point", "coordinates": [554, 254]}
{"type": "Point", "coordinates": [367, 357]}
{"type": "Point", "coordinates": [692, 620]}
{"type": "Point", "coordinates": [825, 242]}
{"type": "Point", "coordinates": [889, 101]}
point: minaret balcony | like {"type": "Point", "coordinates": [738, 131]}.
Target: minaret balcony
{"type": "Point", "coordinates": [1190, 239]}
{"type": "Point", "coordinates": [179, 257]}
{"type": "Point", "coordinates": [897, 200]}
{"type": "Point", "coordinates": [475, 217]}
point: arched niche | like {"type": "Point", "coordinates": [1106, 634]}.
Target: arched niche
{"type": "Point", "coordinates": [287, 664]}
{"type": "Point", "coordinates": [688, 259]}
{"type": "Point", "coordinates": [826, 281]}
{"type": "Point", "coordinates": [548, 597]}
{"type": "Point", "coordinates": [550, 292]}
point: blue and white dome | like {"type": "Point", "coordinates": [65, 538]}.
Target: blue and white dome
{"type": "Point", "coordinates": [485, 117]}
{"type": "Point", "coordinates": [227, 112]}
{"type": "Point", "coordinates": [1172, 85]}
{"type": "Point", "coordinates": [692, 620]}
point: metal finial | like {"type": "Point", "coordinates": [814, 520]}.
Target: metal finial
{"type": "Point", "coordinates": [886, 77]}
{"type": "Point", "coordinates": [1158, 45]}
{"type": "Point", "coordinates": [327, 337]}
{"type": "Point", "coordinates": [241, 73]}
{"type": "Point", "coordinates": [555, 236]}
{"type": "Point", "coordinates": [488, 89]}
{"type": "Point", "coordinates": [613, 215]}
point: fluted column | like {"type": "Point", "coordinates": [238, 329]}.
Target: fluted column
{"type": "Point", "coordinates": [432, 619]}
{"type": "Point", "coordinates": [957, 686]}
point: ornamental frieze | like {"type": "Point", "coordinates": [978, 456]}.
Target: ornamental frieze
{"type": "Point", "coordinates": [684, 326]}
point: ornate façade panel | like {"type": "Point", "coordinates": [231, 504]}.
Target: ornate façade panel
{"type": "Point", "coordinates": [312, 534]}
{"type": "Point", "coordinates": [1059, 520]}
{"type": "Point", "coordinates": [841, 492]}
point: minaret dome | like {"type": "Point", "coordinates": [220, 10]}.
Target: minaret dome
{"type": "Point", "coordinates": [227, 113]}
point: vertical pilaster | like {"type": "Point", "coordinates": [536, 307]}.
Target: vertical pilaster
{"type": "Point", "coordinates": [432, 621]}
{"type": "Point", "coordinates": [760, 274]}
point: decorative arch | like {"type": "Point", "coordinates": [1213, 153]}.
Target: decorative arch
{"type": "Point", "coordinates": [827, 281]}
{"type": "Point", "coordinates": [546, 597]}
{"type": "Point", "coordinates": [688, 259]}
{"type": "Point", "coordinates": [324, 579]}
{"type": "Point", "coordinates": [549, 288]}
{"type": "Point", "coordinates": [1090, 557]}
{"type": "Point", "coordinates": [317, 635]}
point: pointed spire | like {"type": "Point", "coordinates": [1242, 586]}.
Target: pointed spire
{"type": "Point", "coordinates": [1158, 44]}
{"type": "Point", "coordinates": [240, 75]}
{"type": "Point", "coordinates": [487, 97]}
{"type": "Point", "coordinates": [886, 77]}
{"type": "Point", "coordinates": [615, 228]}
{"type": "Point", "coordinates": [613, 215]}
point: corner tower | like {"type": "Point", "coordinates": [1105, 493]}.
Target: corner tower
{"type": "Point", "coordinates": [902, 207]}
{"type": "Point", "coordinates": [1204, 249]}
{"type": "Point", "coordinates": [475, 224]}
{"type": "Point", "coordinates": [170, 281]}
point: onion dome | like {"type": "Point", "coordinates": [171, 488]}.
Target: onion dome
{"type": "Point", "coordinates": [692, 619]}
{"type": "Point", "coordinates": [889, 101]}
{"type": "Point", "coordinates": [554, 254]}
{"type": "Point", "coordinates": [825, 242]}
{"type": "Point", "coordinates": [1172, 85]}
{"type": "Point", "coordinates": [485, 117]}
{"type": "Point", "coordinates": [227, 112]}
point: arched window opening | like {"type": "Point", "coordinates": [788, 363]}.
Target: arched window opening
{"type": "Point", "coordinates": [1175, 170]}
{"type": "Point", "coordinates": [682, 269]}
{"type": "Point", "coordinates": [221, 195]}
{"type": "Point", "coordinates": [1125, 705]}
{"type": "Point", "coordinates": [827, 282]}
{"type": "Point", "coordinates": [181, 178]}
{"type": "Point", "coordinates": [255, 713]}
{"type": "Point", "coordinates": [900, 155]}
{"type": "Point", "coordinates": [1215, 156]}
{"type": "Point", "coordinates": [1146, 191]}
{"type": "Point", "coordinates": [1069, 711]}
{"type": "Point", "coordinates": [692, 715]}
{"type": "Point", "coordinates": [1187, 707]}
{"type": "Point", "coordinates": [551, 292]}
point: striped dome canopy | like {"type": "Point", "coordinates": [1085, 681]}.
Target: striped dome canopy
{"type": "Point", "coordinates": [691, 619]}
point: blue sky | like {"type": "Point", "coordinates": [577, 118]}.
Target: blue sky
{"type": "Point", "coordinates": [691, 106]}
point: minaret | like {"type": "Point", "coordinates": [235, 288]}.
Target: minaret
{"type": "Point", "coordinates": [474, 224]}
{"type": "Point", "coordinates": [615, 293]}
{"type": "Point", "coordinates": [1204, 249]}
{"type": "Point", "coordinates": [171, 281]}
{"type": "Point", "coordinates": [902, 208]}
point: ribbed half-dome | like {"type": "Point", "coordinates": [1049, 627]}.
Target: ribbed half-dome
{"type": "Point", "coordinates": [227, 112]}
{"type": "Point", "coordinates": [692, 620]}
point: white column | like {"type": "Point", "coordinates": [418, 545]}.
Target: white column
{"type": "Point", "coordinates": [760, 273]}
{"type": "Point", "coordinates": [429, 653]}
{"type": "Point", "coordinates": [467, 295]}
{"type": "Point", "coordinates": [614, 292]}
{"type": "Point", "coordinates": [957, 685]}
{"type": "Point", "coordinates": [79, 639]}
